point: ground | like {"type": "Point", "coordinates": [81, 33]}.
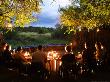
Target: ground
{"type": "Point", "coordinates": [7, 75]}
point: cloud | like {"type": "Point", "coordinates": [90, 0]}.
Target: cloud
{"type": "Point", "coordinates": [46, 21]}
{"type": "Point", "coordinates": [49, 15]}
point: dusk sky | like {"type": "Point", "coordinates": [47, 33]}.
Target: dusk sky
{"type": "Point", "coordinates": [49, 15]}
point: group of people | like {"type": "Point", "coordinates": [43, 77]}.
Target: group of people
{"type": "Point", "coordinates": [95, 57]}
{"type": "Point", "coordinates": [38, 58]}
{"type": "Point", "coordinates": [94, 53]}
{"type": "Point", "coordinates": [22, 59]}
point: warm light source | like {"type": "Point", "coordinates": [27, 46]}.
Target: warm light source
{"type": "Point", "coordinates": [85, 45]}
{"type": "Point", "coordinates": [79, 55]}
{"type": "Point", "coordinates": [0, 2]}
{"type": "Point", "coordinates": [65, 48]}
{"type": "Point", "coordinates": [102, 47]}
{"type": "Point", "coordinates": [52, 55]}
{"type": "Point", "coordinates": [79, 28]}
{"type": "Point", "coordinates": [98, 30]}
{"type": "Point", "coordinates": [70, 44]}
{"type": "Point", "coordinates": [9, 26]}
{"type": "Point", "coordinates": [26, 54]}
{"type": "Point", "coordinates": [10, 47]}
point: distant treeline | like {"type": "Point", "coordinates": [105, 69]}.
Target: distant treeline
{"type": "Point", "coordinates": [39, 30]}
{"type": "Point", "coordinates": [56, 33]}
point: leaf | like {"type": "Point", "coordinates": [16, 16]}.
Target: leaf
{"type": "Point", "coordinates": [91, 14]}
{"type": "Point", "coordinates": [21, 10]}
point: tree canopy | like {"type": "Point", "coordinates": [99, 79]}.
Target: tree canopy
{"type": "Point", "coordinates": [18, 12]}
{"type": "Point", "coordinates": [89, 14]}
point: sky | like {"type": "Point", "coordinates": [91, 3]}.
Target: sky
{"type": "Point", "coordinates": [49, 15]}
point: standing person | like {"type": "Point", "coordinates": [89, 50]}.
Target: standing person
{"type": "Point", "coordinates": [39, 60]}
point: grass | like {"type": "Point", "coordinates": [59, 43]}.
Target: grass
{"type": "Point", "coordinates": [34, 39]}
{"type": "Point", "coordinates": [33, 35]}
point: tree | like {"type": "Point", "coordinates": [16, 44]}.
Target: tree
{"type": "Point", "coordinates": [18, 12]}
{"type": "Point", "coordinates": [90, 14]}
{"type": "Point", "coordinates": [61, 33]}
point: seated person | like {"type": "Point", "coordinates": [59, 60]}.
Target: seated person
{"type": "Point", "coordinates": [89, 57]}
{"type": "Point", "coordinates": [19, 59]}
{"type": "Point", "coordinates": [19, 55]}
{"type": "Point", "coordinates": [7, 56]}
{"type": "Point", "coordinates": [68, 60]}
{"type": "Point", "coordinates": [2, 49]}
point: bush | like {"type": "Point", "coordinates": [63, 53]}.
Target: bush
{"type": "Point", "coordinates": [10, 35]}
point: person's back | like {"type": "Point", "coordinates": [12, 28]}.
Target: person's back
{"type": "Point", "coordinates": [19, 56]}
{"type": "Point", "coordinates": [7, 54]}
{"type": "Point", "coordinates": [2, 48]}
{"type": "Point", "coordinates": [39, 57]}
{"type": "Point", "coordinates": [88, 53]}
{"type": "Point", "coordinates": [89, 57]}
{"type": "Point", "coordinates": [38, 62]}
{"type": "Point", "coordinates": [68, 59]}
{"type": "Point", "coordinates": [68, 63]}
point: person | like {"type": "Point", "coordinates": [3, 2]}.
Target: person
{"type": "Point", "coordinates": [89, 56]}
{"type": "Point", "coordinates": [39, 60]}
{"type": "Point", "coordinates": [39, 56]}
{"type": "Point", "coordinates": [2, 49]}
{"type": "Point", "coordinates": [68, 61]}
{"type": "Point", "coordinates": [68, 57]}
{"type": "Point", "coordinates": [19, 55]}
{"type": "Point", "coordinates": [98, 50]}
{"type": "Point", "coordinates": [19, 59]}
{"type": "Point", "coordinates": [1, 37]}
{"type": "Point", "coordinates": [7, 56]}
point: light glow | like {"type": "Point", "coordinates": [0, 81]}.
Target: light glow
{"type": "Point", "coordinates": [85, 45]}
